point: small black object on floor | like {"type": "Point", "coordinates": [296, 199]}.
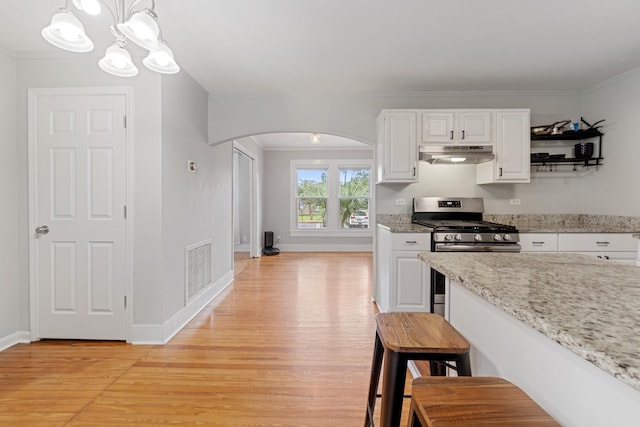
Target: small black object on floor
{"type": "Point", "coordinates": [268, 244]}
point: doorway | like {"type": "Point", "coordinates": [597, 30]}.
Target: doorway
{"type": "Point", "coordinates": [246, 243]}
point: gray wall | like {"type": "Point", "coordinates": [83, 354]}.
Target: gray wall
{"type": "Point", "coordinates": [189, 215]}
{"type": "Point", "coordinates": [355, 115]}
{"type": "Point", "coordinates": [278, 199]}
{"type": "Point", "coordinates": [171, 208]}
{"type": "Point", "coordinates": [10, 283]}
{"type": "Point", "coordinates": [614, 189]}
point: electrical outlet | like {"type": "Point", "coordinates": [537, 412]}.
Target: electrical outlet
{"type": "Point", "coordinates": [277, 238]}
{"type": "Point", "coordinates": [401, 202]}
{"type": "Point", "coordinates": [514, 201]}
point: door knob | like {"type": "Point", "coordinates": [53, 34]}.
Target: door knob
{"type": "Point", "coordinates": [43, 229]}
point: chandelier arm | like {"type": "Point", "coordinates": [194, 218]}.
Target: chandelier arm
{"type": "Point", "coordinates": [112, 8]}
{"type": "Point", "coordinates": [134, 4]}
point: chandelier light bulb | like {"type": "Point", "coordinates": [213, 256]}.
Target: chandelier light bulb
{"type": "Point", "coordinates": [161, 60]}
{"type": "Point", "coordinates": [67, 32]}
{"type": "Point", "coordinates": [142, 29]}
{"type": "Point", "coordinates": [117, 61]}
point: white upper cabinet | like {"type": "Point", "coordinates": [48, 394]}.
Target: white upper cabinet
{"type": "Point", "coordinates": [456, 127]}
{"type": "Point", "coordinates": [512, 150]}
{"type": "Point", "coordinates": [397, 146]}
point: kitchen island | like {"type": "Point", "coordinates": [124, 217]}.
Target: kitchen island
{"type": "Point", "coordinates": [563, 327]}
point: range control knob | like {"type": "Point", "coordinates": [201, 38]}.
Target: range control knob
{"type": "Point", "coordinates": [448, 237]}
{"type": "Point", "coordinates": [458, 237]}
{"type": "Point", "coordinates": [506, 237]}
{"type": "Point", "coordinates": [477, 237]}
{"type": "Point", "coordinates": [497, 237]}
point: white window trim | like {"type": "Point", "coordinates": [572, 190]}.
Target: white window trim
{"type": "Point", "coordinates": [332, 166]}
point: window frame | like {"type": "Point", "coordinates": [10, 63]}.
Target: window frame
{"type": "Point", "coordinates": [333, 167]}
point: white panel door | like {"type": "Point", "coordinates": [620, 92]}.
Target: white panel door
{"type": "Point", "coordinates": [80, 149]}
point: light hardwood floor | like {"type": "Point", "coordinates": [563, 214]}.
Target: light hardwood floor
{"type": "Point", "coordinates": [289, 344]}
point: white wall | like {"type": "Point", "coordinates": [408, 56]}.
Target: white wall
{"type": "Point", "coordinates": [10, 281]}
{"type": "Point", "coordinates": [354, 116]}
{"type": "Point", "coordinates": [189, 214]}
{"type": "Point", "coordinates": [614, 189]}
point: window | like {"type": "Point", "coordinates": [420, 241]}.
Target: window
{"type": "Point", "coordinates": [311, 199]}
{"type": "Point", "coordinates": [331, 196]}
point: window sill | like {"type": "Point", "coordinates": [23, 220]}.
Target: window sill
{"type": "Point", "coordinates": [332, 233]}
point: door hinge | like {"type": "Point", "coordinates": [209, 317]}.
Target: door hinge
{"type": "Point", "coordinates": [125, 211]}
{"type": "Point", "coordinates": [124, 121]}
{"type": "Point", "coordinates": [125, 302]}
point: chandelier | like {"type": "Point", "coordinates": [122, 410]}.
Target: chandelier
{"type": "Point", "coordinates": [139, 26]}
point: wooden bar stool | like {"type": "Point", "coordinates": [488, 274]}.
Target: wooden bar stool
{"type": "Point", "coordinates": [401, 337]}
{"type": "Point", "coordinates": [468, 401]}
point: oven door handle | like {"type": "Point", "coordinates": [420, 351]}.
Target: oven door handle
{"type": "Point", "coordinates": [447, 247]}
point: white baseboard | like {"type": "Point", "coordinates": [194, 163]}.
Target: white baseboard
{"type": "Point", "coordinates": [161, 334]}
{"type": "Point", "coordinates": [310, 247]}
{"type": "Point", "coordinates": [21, 337]}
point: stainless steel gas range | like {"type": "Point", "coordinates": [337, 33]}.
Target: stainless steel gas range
{"type": "Point", "coordinates": [457, 226]}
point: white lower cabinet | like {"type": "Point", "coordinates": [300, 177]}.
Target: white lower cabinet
{"type": "Point", "coordinates": [403, 284]}
{"type": "Point", "coordinates": [620, 247]}
{"type": "Point", "coordinates": [539, 242]}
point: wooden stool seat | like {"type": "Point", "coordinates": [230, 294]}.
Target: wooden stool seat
{"type": "Point", "coordinates": [419, 333]}
{"type": "Point", "coordinates": [401, 337]}
{"type": "Point", "coordinates": [466, 401]}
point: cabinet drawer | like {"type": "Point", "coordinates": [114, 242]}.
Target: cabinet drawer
{"type": "Point", "coordinates": [410, 241]}
{"type": "Point", "coordinates": [623, 257]}
{"type": "Point", "coordinates": [596, 242]}
{"type": "Point", "coordinates": [539, 242]}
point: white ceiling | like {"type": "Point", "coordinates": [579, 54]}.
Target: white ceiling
{"type": "Point", "coordinates": [344, 46]}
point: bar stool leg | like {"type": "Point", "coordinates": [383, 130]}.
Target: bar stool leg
{"type": "Point", "coordinates": [463, 365]}
{"type": "Point", "coordinates": [393, 380]}
{"type": "Point", "coordinates": [378, 352]}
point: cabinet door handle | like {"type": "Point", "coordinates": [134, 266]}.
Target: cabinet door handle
{"type": "Point", "coordinates": [462, 134]}
{"type": "Point", "coordinates": [500, 173]}
{"type": "Point", "coordinates": [451, 137]}
{"type": "Point", "coordinates": [414, 171]}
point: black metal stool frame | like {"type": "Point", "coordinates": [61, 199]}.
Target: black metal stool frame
{"type": "Point", "coordinates": [394, 378]}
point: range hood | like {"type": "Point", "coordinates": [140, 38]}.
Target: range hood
{"type": "Point", "coordinates": [456, 154]}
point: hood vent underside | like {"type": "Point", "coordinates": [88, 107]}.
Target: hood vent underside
{"type": "Point", "coordinates": [456, 154]}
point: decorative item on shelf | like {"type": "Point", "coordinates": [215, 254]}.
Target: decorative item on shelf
{"type": "Point", "coordinates": [139, 26]}
{"type": "Point", "coordinates": [583, 150]}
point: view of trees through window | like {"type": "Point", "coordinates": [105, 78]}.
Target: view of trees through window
{"type": "Point", "coordinates": [312, 194]}
{"type": "Point", "coordinates": [354, 198]}
{"type": "Point", "coordinates": [311, 198]}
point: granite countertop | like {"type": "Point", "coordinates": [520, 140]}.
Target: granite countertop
{"type": "Point", "coordinates": [534, 223]}
{"type": "Point", "coordinates": [403, 227]}
{"type": "Point", "coordinates": [589, 306]}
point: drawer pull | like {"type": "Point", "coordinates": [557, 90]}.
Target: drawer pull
{"type": "Point", "coordinates": [538, 243]}
{"type": "Point", "coordinates": [603, 243]}
{"type": "Point", "coordinates": [411, 242]}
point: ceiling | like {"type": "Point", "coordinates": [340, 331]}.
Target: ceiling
{"type": "Point", "coordinates": [303, 141]}
{"type": "Point", "coordinates": [307, 47]}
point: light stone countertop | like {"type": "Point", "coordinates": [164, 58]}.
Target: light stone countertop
{"type": "Point", "coordinates": [589, 306]}
{"type": "Point", "coordinates": [535, 223]}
